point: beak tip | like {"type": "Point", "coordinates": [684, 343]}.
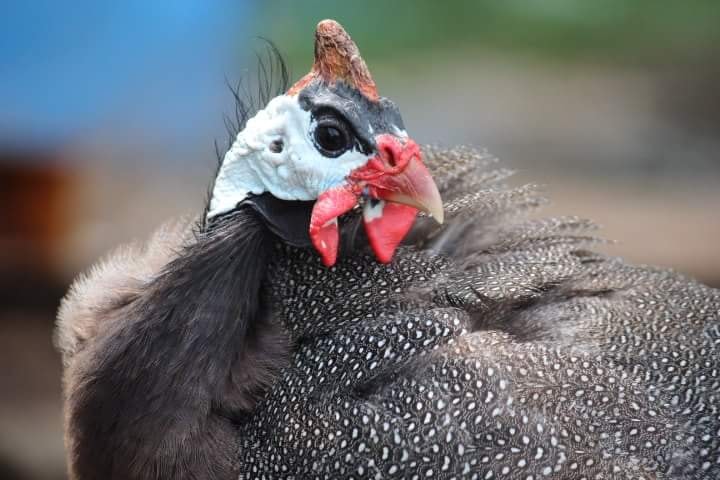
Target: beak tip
{"type": "Point", "coordinates": [434, 206]}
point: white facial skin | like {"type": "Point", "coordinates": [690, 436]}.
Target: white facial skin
{"type": "Point", "coordinates": [297, 172]}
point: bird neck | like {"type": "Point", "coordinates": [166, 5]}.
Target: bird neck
{"type": "Point", "coordinates": [201, 311]}
{"type": "Point", "coordinates": [184, 360]}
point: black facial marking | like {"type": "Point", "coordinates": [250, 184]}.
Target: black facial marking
{"type": "Point", "coordinates": [287, 219]}
{"type": "Point", "coordinates": [367, 118]}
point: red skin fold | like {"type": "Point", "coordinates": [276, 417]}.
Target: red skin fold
{"type": "Point", "coordinates": [324, 232]}
{"type": "Point", "coordinates": [387, 231]}
{"type": "Point", "coordinates": [395, 174]}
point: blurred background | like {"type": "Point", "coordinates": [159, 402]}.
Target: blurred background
{"type": "Point", "coordinates": [109, 110]}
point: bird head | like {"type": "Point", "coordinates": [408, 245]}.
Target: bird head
{"type": "Point", "coordinates": [328, 145]}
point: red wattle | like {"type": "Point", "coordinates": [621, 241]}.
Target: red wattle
{"type": "Point", "coordinates": [387, 228]}
{"type": "Point", "coordinates": [323, 230]}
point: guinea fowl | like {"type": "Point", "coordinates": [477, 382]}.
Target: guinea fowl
{"type": "Point", "coordinates": [489, 346]}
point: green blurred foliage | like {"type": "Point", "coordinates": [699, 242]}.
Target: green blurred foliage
{"type": "Point", "coordinates": [649, 32]}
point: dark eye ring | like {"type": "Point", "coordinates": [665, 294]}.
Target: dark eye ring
{"type": "Point", "coordinates": [332, 136]}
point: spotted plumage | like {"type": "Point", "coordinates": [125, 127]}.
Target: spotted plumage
{"type": "Point", "coordinates": [321, 321]}
{"type": "Point", "coordinates": [524, 357]}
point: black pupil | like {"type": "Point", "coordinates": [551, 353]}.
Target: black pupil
{"type": "Point", "coordinates": [330, 138]}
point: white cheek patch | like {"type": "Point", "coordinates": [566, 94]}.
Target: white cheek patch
{"type": "Point", "coordinates": [297, 172]}
{"type": "Point", "coordinates": [373, 210]}
{"type": "Point", "coordinates": [399, 132]}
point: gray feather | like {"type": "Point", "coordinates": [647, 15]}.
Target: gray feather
{"type": "Point", "coordinates": [502, 348]}
{"type": "Point", "coordinates": [491, 347]}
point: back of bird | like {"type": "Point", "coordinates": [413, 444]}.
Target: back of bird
{"type": "Point", "coordinates": [350, 305]}
{"type": "Point", "coordinates": [496, 346]}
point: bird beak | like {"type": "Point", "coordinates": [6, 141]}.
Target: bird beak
{"type": "Point", "coordinates": [392, 186]}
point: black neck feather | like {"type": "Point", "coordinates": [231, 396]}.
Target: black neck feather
{"type": "Point", "coordinates": [164, 365]}
{"type": "Point", "coordinates": [207, 298]}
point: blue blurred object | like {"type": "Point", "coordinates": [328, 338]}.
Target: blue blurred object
{"type": "Point", "coordinates": [66, 67]}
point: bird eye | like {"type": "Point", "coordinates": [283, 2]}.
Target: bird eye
{"type": "Point", "coordinates": [332, 136]}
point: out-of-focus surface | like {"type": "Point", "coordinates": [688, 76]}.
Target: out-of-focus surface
{"type": "Point", "coordinates": [109, 112]}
